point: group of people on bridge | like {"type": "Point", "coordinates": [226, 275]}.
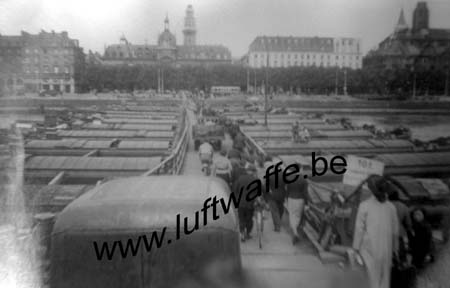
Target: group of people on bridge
{"type": "Point", "coordinates": [385, 229]}
{"type": "Point", "coordinates": [238, 168]}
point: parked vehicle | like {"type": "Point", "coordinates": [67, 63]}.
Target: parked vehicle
{"type": "Point", "coordinates": [214, 134]}
{"type": "Point", "coordinates": [128, 209]}
{"type": "Point", "coordinates": [53, 93]}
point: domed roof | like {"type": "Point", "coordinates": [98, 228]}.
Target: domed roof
{"type": "Point", "coordinates": [166, 39]}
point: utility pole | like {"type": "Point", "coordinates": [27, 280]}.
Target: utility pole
{"type": "Point", "coordinates": [266, 87]}
{"type": "Point", "coordinates": [336, 81]}
{"type": "Point", "coordinates": [446, 80]}
{"type": "Point", "coordinates": [345, 81]}
{"type": "Point", "coordinates": [159, 80]}
{"type": "Point", "coordinates": [162, 80]}
{"type": "Point", "coordinates": [248, 80]}
{"type": "Point", "coordinates": [254, 74]}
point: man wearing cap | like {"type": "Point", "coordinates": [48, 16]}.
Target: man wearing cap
{"type": "Point", "coordinates": [246, 208]}
{"type": "Point", "coordinates": [239, 142]}
{"type": "Point", "coordinates": [277, 193]}
{"type": "Point", "coordinates": [376, 233]}
{"type": "Point", "coordinates": [237, 164]}
{"type": "Point", "coordinates": [295, 131]}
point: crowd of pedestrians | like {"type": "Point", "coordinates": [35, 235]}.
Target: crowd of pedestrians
{"type": "Point", "coordinates": [240, 166]}
{"type": "Point", "coordinates": [387, 234]}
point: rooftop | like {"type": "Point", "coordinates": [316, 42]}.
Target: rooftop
{"type": "Point", "coordinates": [143, 202]}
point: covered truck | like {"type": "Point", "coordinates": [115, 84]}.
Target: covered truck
{"type": "Point", "coordinates": [214, 134]}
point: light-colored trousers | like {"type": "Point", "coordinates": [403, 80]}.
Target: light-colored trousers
{"type": "Point", "coordinates": [295, 208]}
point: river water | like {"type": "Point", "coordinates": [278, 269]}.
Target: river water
{"type": "Point", "coordinates": [423, 127]}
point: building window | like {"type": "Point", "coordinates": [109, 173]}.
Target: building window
{"type": "Point", "coordinates": [56, 69]}
{"type": "Point", "coordinates": [66, 70]}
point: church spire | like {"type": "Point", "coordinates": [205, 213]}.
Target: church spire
{"type": "Point", "coordinates": [166, 22]}
{"type": "Point", "coordinates": [401, 24]}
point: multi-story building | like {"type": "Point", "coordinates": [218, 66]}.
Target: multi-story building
{"type": "Point", "coordinates": [417, 47]}
{"type": "Point", "coordinates": [10, 63]}
{"type": "Point", "coordinates": [45, 61]}
{"type": "Point", "coordinates": [277, 51]}
{"type": "Point", "coordinates": [166, 50]}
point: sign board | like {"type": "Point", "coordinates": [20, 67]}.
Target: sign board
{"type": "Point", "coordinates": [359, 168]}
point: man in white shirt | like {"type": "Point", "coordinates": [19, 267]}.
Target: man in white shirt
{"type": "Point", "coordinates": [376, 233]}
{"type": "Point", "coordinates": [205, 152]}
{"type": "Point", "coordinates": [222, 167]}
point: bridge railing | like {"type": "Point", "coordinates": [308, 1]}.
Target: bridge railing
{"type": "Point", "coordinates": [172, 164]}
{"type": "Point", "coordinates": [251, 144]}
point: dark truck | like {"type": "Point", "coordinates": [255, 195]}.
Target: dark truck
{"type": "Point", "coordinates": [214, 134]}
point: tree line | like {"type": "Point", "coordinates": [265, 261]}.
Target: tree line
{"type": "Point", "coordinates": [306, 80]}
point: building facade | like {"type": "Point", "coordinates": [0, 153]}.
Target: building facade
{"type": "Point", "coordinates": [167, 51]}
{"type": "Point", "coordinates": [413, 47]}
{"type": "Point", "coordinates": [44, 61]}
{"type": "Point", "coordinates": [11, 51]}
{"type": "Point", "coordinates": [304, 52]}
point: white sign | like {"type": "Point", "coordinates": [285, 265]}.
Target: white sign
{"type": "Point", "coordinates": [358, 169]}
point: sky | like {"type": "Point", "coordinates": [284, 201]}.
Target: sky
{"type": "Point", "coordinates": [233, 23]}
